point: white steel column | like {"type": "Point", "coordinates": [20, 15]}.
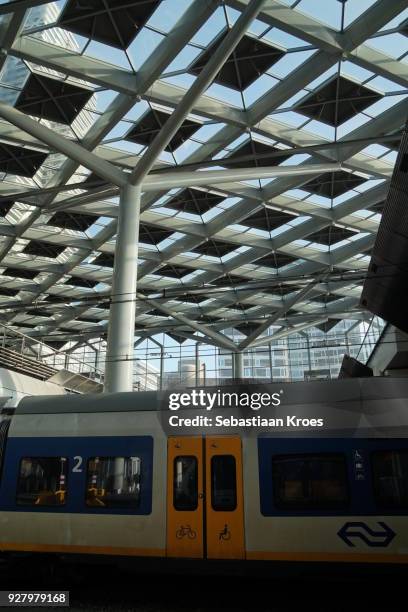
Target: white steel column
{"type": "Point", "coordinates": [197, 365]}
{"type": "Point", "coordinates": [119, 353]}
{"type": "Point", "coordinates": [238, 365]}
{"type": "Point", "coordinates": [118, 474]}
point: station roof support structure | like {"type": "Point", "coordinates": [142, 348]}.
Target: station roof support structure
{"type": "Point", "coordinates": [276, 195]}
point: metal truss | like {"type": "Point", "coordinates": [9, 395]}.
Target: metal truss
{"type": "Point", "coordinates": [154, 175]}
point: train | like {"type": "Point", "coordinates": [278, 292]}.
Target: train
{"type": "Point", "coordinates": [115, 476]}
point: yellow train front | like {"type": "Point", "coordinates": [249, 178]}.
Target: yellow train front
{"type": "Point", "coordinates": [102, 475]}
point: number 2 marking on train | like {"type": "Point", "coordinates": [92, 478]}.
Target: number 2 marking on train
{"type": "Point", "coordinates": [77, 467]}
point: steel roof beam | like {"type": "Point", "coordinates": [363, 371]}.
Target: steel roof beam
{"type": "Point", "coordinates": [169, 180]}
{"type": "Point", "coordinates": [210, 107]}
{"type": "Point", "coordinates": [61, 144]}
{"type": "Point", "coordinates": [380, 63]}
{"type": "Point", "coordinates": [20, 5]}
{"type": "Point", "coordinates": [200, 327]}
{"type": "Point", "coordinates": [180, 329]}
{"type": "Point", "coordinates": [278, 314]}
{"type": "Point", "coordinates": [299, 319]}
{"type": "Point", "coordinates": [9, 29]}
{"type": "Point", "coordinates": [297, 23]}
{"type": "Point", "coordinates": [381, 12]}
{"type": "Point", "coordinates": [187, 25]}
{"type": "Point", "coordinates": [333, 42]}
{"type": "Point", "coordinates": [122, 313]}
{"type": "Point", "coordinates": [74, 64]}
{"type": "Point", "coordinates": [107, 75]}
{"type": "Point", "coordinates": [227, 131]}
{"type": "Point", "coordinates": [285, 332]}
{"type": "Point", "coordinates": [201, 83]}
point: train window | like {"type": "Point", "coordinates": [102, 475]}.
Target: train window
{"type": "Point", "coordinates": [42, 481]}
{"type": "Point", "coordinates": [310, 482]}
{"type": "Point", "coordinates": [185, 483]}
{"type": "Point", "coordinates": [390, 478]}
{"type": "Point", "coordinates": [113, 482]}
{"type": "Point", "coordinates": [223, 483]}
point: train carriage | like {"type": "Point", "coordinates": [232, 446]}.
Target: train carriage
{"type": "Point", "coordinates": [106, 475]}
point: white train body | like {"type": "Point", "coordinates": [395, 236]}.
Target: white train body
{"type": "Point", "coordinates": [105, 475]}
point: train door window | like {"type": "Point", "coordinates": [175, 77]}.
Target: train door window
{"type": "Point", "coordinates": [310, 482]}
{"type": "Point", "coordinates": [185, 483]}
{"type": "Point", "coordinates": [390, 478]}
{"type": "Point", "coordinates": [223, 483]}
{"type": "Point", "coordinates": [113, 482]}
{"type": "Point", "coordinates": [42, 481]}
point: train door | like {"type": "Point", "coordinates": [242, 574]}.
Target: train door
{"type": "Point", "coordinates": [224, 498]}
{"type": "Point", "coordinates": [205, 517]}
{"type": "Point", "coordinates": [185, 498]}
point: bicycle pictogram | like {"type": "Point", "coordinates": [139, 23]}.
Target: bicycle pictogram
{"type": "Point", "coordinates": [186, 531]}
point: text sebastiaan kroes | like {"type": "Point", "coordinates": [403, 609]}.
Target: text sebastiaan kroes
{"type": "Point", "coordinates": [219, 399]}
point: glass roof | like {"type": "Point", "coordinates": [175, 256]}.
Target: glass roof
{"type": "Point", "coordinates": [310, 82]}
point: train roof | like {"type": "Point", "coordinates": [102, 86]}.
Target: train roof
{"type": "Point", "coordinates": [101, 402]}
{"type": "Point", "coordinates": [331, 393]}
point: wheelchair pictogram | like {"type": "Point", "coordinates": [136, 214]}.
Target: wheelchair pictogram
{"type": "Point", "coordinates": [225, 534]}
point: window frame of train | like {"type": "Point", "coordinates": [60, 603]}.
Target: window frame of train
{"type": "Point", "coordinates": [384, 504]}
{"type": "Point", "coordinates": [110, 499]}
{"type": "Point", "coordinates": [310, 502]}
{"type": "Point", "coordinates": [77, 450]}
{"type": "Point", "coordinates": [48, 497]}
